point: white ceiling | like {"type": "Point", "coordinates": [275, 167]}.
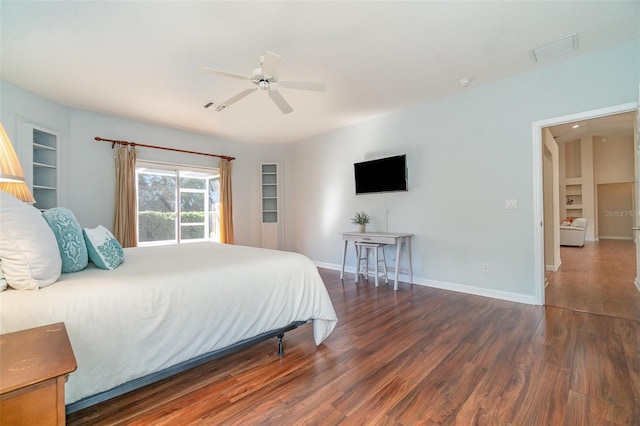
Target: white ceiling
{"type": "Point", "coordinates": [142, 60]}
{"type": "Point", "coordinates": [608, 127]}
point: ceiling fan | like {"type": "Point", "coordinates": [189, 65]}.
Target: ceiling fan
{"type": "Point", "coordinates": [264, 78]}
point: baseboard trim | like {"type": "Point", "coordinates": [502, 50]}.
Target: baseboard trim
{"type": "Point", "coordinates": [613, 237]}
{"type": "Point", "coordinates": [442, 285]}
{"type": "Point", "coordinates": [553, 268]}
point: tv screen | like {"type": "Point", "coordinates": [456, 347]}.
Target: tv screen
{"type": "Point", "coordinates": [383, 175]}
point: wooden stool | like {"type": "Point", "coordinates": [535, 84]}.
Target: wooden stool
{"type": "Point", "coordinates": [376, 248]}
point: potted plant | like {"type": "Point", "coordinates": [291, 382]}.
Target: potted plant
{"type": "Point", "coordinates": [361, 218]}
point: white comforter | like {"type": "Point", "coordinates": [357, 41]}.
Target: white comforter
{"type": "Point", "coordinates": [168, 304]}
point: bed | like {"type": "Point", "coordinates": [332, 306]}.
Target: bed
{"type": "Point", "coordinates": [168, 306]}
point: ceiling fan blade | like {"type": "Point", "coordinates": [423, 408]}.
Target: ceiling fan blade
{"type": "Point", "coordinates": [239, 96]}
{"type": "Point", "coordinates": [303, 85]}
{"type": "Point", "coordinates": [277, 98]}
{"type": "Point", "coordinates": [226, 74]}
{"type": "Point", "coordinates": [270, 62]}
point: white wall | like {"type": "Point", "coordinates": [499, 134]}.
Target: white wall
{"type": "Point", "coordinates": [467, 154]}
{"type": "Point", "coordinates": [613, 165]}
{"type": "Point", "coordinates": [86, 170]}
{"type": "Point", "coordinates": [615, 211]}
{"type": "Point", "coordinates": [613, 159]}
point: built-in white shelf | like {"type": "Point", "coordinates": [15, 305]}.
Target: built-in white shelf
{"type": "Point", "coordinates": [44, 166]}
{"type": "Point", "coordinates": [269, 179]}
{"type": "Point", "coordinates": [270, 205]}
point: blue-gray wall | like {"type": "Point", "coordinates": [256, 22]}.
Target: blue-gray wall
{"type": "Point", "coordinates": [467, 154]}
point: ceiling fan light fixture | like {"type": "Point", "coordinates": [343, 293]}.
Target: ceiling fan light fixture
{"type": "Point", "coordinates": [264, 84]}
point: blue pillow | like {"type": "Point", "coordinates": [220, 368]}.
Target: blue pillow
{"type": "Point", "coordinates": [68, 232]}
{"type": "Point", "coordinates": [104, 250]}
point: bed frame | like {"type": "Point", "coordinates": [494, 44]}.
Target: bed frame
{"type": "Point", "coordinates": [183, 366]}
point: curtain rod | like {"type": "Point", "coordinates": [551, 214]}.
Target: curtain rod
{"type": "Point", "coordinates": [134, 144]}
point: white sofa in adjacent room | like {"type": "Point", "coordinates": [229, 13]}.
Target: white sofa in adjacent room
{"type": "Point", "coordinates": [573, 234]}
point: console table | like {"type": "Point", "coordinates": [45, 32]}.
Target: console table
{"type": "Point", "coordinates": [397, 239]}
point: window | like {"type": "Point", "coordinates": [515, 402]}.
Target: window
{"type": "Point", "coordinates": [177, 204]}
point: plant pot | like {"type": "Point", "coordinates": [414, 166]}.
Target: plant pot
{"type": "Point", "coordinates": [362, 228]}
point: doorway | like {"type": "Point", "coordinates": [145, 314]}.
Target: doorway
{"type": "Point", "coordinates": [541, 237]}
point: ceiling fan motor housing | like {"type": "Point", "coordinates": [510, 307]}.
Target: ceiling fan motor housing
{"type": "Point", "coordinates": [262, 81]}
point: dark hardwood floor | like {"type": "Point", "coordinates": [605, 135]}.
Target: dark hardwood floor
{"type": "Point", "coordinates": [597, 278]}
{"type": "Point", "coordinates": [415, 356]}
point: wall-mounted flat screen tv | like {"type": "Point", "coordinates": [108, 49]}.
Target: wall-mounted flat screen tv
{"type": "Point", "coordinates": [382, 175]}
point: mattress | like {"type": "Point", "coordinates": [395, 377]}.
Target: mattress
{"type": "Point", "coordinates": [168, 304]}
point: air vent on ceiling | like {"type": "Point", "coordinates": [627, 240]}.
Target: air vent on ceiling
{"type": "Point", "coordinates": [218, 106]}
{"type": "Point", "coordinates": [563, 46]}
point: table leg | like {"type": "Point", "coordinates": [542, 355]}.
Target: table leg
{"type": "Point", "coordinates": [375, 268]}
{"type": "Point", "coordinates": [398, 249]}
{"type": "Point", "coordinates": [357, 274]}
{"type": "Point", "coordinates": [344, 257]}
{"type": "Point", "coordinates": [409, 254]}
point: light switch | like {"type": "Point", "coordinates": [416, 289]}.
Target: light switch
{"type": "Point", "coordinates": [511, 203]}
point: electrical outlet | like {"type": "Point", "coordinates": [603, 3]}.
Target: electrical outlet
{"type": "Point", "coordinates": [485, 267]}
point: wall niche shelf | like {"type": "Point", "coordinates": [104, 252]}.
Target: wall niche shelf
{"type": "Point", "coordinates": [573, 198]}
{"type": "Point", "coordinates": [269, 174]}
{"type": "Point", "coordinates": [270, 205]}
{"type": "Point", "coordinates": [572, 184]}
{"type": "Point", "coordinates": [39, 147]}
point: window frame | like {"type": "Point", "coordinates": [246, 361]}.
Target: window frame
{"type": "Point", "coordinates": [176, 169]}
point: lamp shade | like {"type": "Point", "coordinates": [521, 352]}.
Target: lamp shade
{"type": "Point", "coordinates": [11, 174]}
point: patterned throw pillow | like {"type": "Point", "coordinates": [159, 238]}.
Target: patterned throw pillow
{"type": "Point", "coordinates": [104, 250]}
{"type": "Point", "coordinates": [68, 232]}
{"type": "Point", "coordinates": [3, 282]}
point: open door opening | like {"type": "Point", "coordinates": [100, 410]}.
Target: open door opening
{"type": "Point", "coordinates": [572, 198]}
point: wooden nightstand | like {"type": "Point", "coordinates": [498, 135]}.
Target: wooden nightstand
{"type": "Point", "coordinates": [34, 365]}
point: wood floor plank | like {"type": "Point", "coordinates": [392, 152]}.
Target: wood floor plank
{"type": "Point", "coordinates": [374, 408]}
{"type": "Point", "coordinates": [597, 278]}
{"type": "Point", "coordinates": [585, 411]}
{"type": "Point", "coordinates": [555, 338]}
{"type": "Point", "coordinates": [544, 401]}
{"type": "Point", "coordinates": [439, 396]}
{"type": "Point", "coordinates": [601, 372]}
{"type": "Point", "coordinates": [630, 335]}
{"type": "Point", "coordinates": [417, 356]}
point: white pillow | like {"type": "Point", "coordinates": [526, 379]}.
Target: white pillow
{"type": "Point", "coordinates": [29, 251]}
